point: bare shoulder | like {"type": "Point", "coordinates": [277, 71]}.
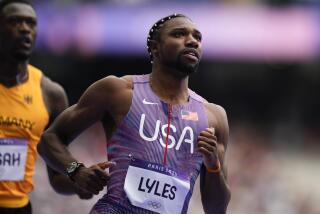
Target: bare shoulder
{"type": "Point", "coordinates": [112, 83]}
{"type": "Point", "coordinates": [108, 94]}
{"type": "Point", "coordinates": [51, 88]}
{"type": "Point", "coordinates": [214, 110]}
{"type": "Point", "coordinates": [54, 95]}
{"type": "Point", "coordinates": [106, 89]}
{"type": "Point", "coordinates": [217, 118]}
{"type": "Point", "coordinates": [129, 81]}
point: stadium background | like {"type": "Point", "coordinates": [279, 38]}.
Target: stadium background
{"type": "Point", "coordinates": [261, 63]}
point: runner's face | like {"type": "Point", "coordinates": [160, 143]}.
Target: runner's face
{"type": "Point", "coordinates": [18, 31]}
{"type": "Point", "coordinates": [180, 45]}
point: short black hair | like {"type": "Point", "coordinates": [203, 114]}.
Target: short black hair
{"type": "Point", "coordinates": [4, 3]}
{"type": "Point", "coordinates": [154, 32]}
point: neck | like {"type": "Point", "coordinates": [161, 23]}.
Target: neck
{"type": "Point", "coordinates": [169, 87]}
{"type": "Point", "coordinates": [12, 74]}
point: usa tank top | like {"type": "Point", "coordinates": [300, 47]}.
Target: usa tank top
{"type": "Point", "coordinates": [143, 135]}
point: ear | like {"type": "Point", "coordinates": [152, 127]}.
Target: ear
{"type": "Point", "coordinates": [154, 48]}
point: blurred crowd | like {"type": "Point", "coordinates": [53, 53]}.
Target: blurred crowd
{"type": "Point", "coordinates": [270, 178]}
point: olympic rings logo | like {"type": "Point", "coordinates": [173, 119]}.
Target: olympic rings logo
{"type": "Point", "coordinates": [154, 204]}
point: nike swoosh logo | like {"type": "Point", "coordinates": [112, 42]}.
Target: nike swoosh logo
{"type": "Point", "coordinates": [144, 101]}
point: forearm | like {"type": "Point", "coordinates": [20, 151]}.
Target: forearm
{"type": "Point", "coordinates": [54, 152]}
{"type": "Point", "coordinates": [215, 192]}
{"type": "Point", "coordinates": [63, 185]}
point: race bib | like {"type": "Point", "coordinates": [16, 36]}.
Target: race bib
{"type": "Point", "coordinates": [13, 154]}
{"type": "Point", "coordinates": [156, 187]}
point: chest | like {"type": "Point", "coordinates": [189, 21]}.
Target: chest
{"type": "Point", "coordinates": [22, 112]}
{"type": "Point", "coordinates": [175, 126]}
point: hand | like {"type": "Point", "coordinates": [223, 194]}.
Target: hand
{"type": "Point", "coordinates": [208, 146]}
{"type": "Point", "coordinates": [93, 179]}
{"type": "Point", "coordinates": [83, 194]}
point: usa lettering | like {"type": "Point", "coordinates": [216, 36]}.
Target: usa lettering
{"type": "Point", "coordinates": [186, 136]}
{"type": "Point", "coordinates": [157, 188]}
{"type": "Point", "coordinates": [10, 159]}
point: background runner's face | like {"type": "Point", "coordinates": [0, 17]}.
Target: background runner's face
{"type": "Point", "coordinates": [180, 45]}
{"type": "Point", "coordinates": [18, 31]}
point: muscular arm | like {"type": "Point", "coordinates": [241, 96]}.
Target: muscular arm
{"type": "Point", "coordinates": [215, 193]}
{"type": "Point", "coordinates": [92, 106]}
